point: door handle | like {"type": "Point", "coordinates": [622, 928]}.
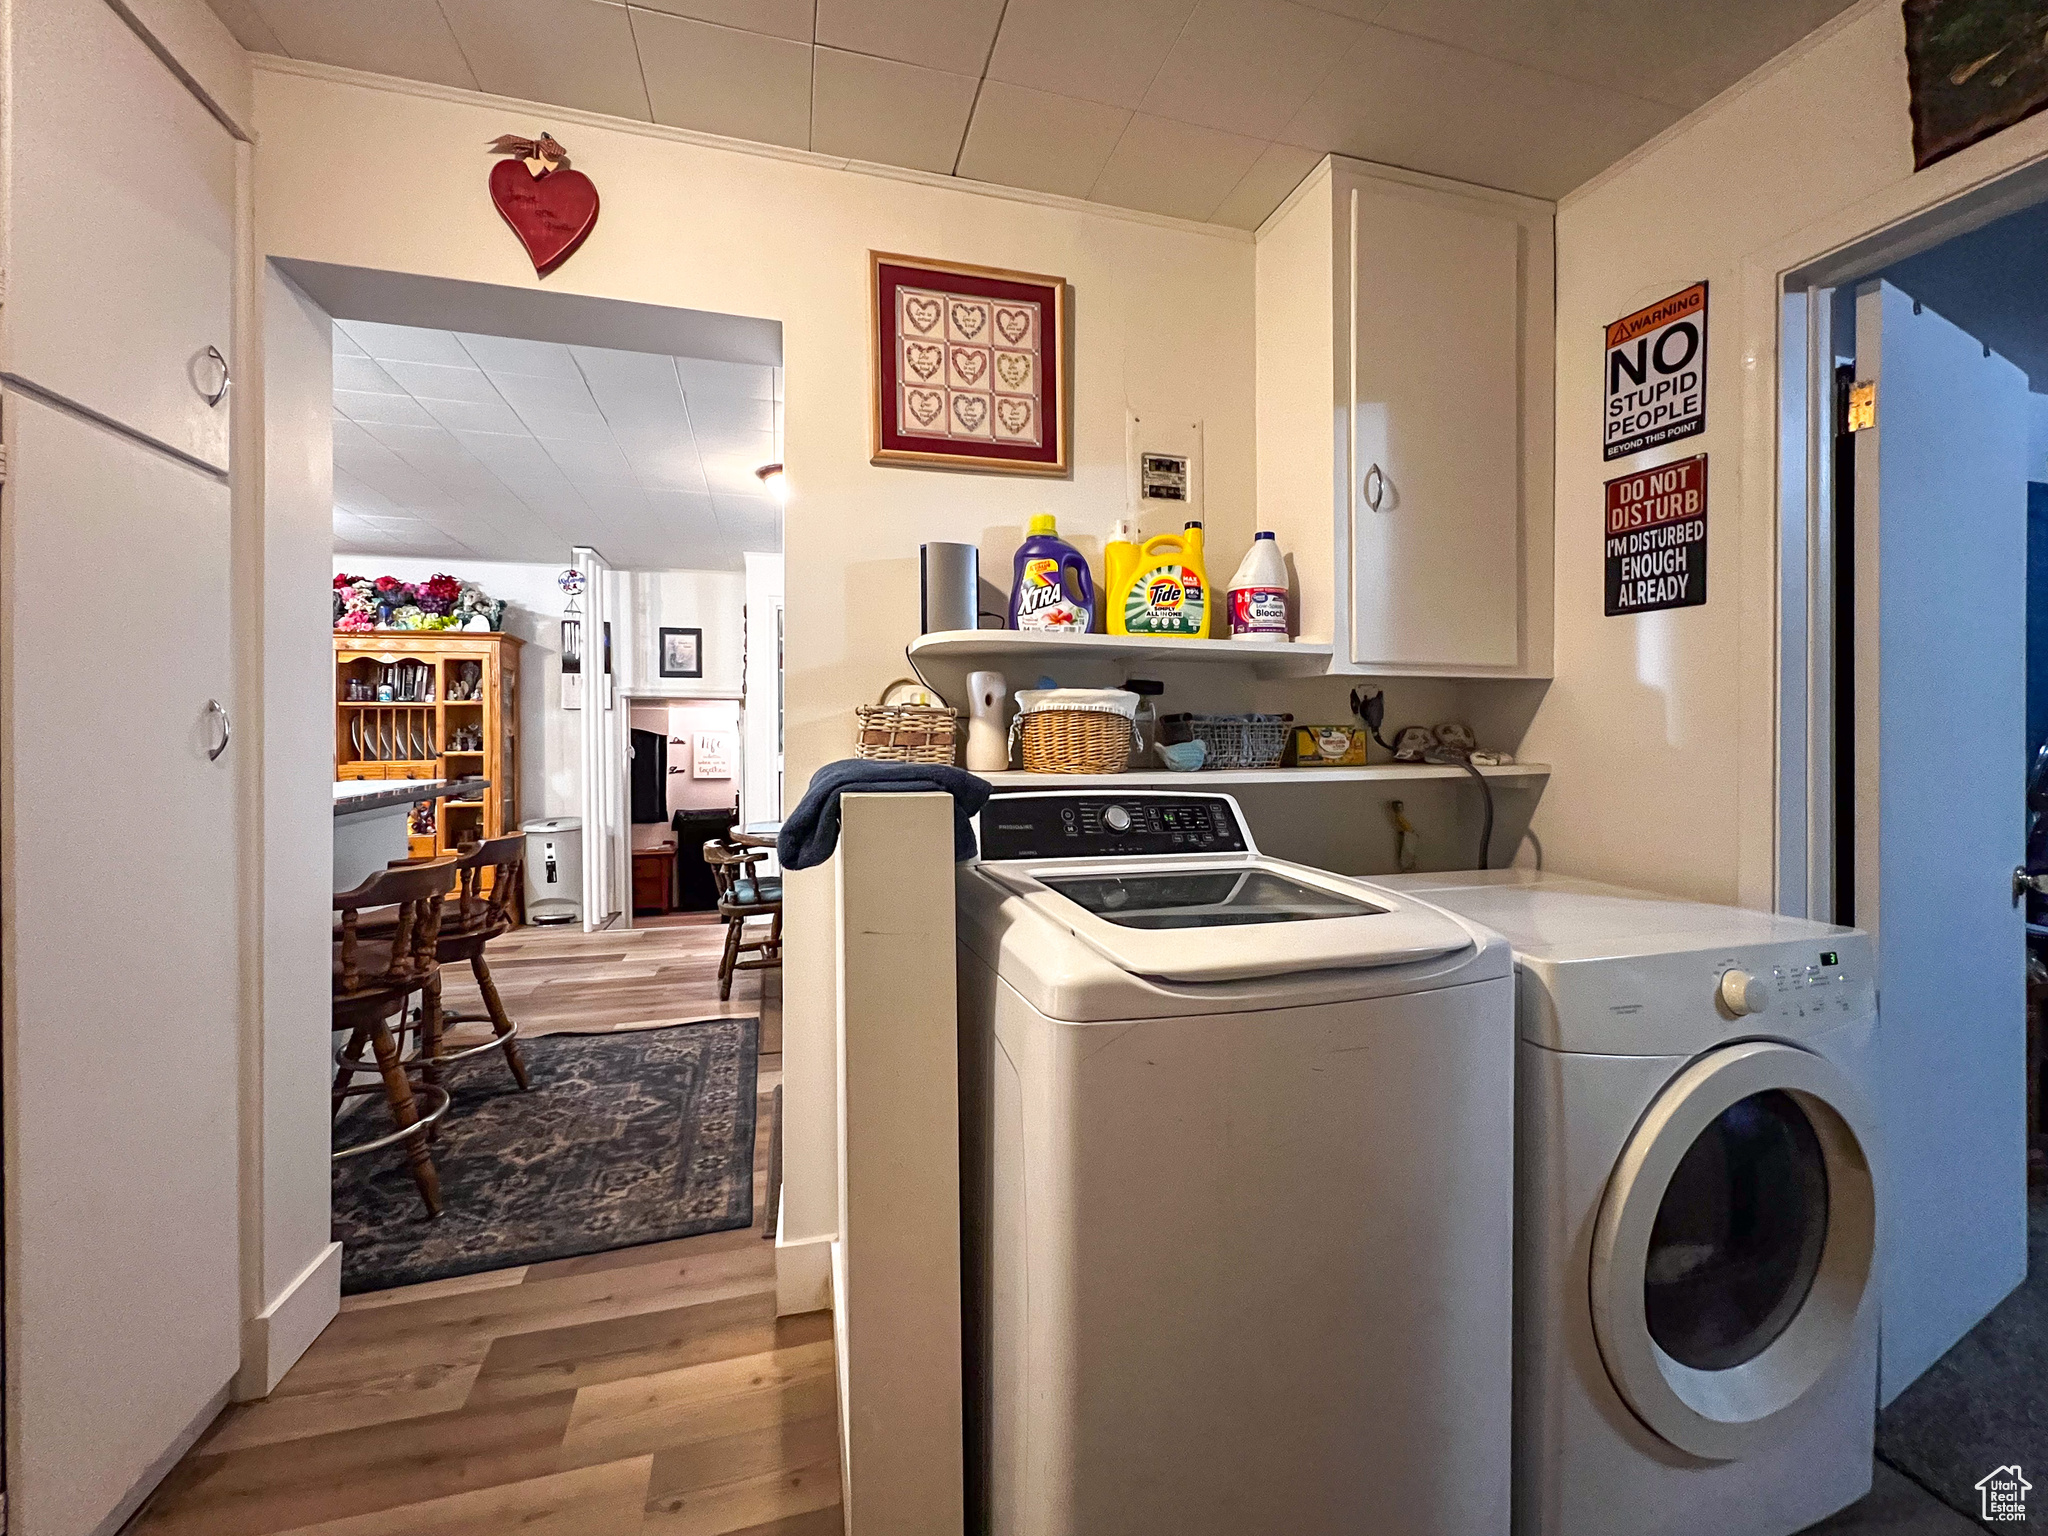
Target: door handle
{"type": "Point", "coordinates": [218, 711]}
{"type": "Point", "coordinates": [226, 378]}
{"type": "Point", "coordinates": [1375, 487]}
{"type": "Point", "coordinates": [2024, 884]}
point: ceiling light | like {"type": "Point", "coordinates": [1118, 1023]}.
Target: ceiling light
{"type": "Point", "coordinates": [771, 476]}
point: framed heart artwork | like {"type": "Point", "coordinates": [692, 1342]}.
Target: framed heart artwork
{"type": "Point", "coordinates": [971, 366]}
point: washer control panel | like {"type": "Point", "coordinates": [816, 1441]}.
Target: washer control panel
{"type": "Point", "coordinates": [1036, 825]}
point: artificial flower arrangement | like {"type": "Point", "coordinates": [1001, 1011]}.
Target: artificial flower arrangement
{"type": "Point", "coordinates": [364, 603]}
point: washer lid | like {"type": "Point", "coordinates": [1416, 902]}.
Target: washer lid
{"type": "Point", "coordinates": [1230, 920]}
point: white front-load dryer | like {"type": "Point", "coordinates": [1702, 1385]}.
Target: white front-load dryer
{"type": "Point", "coordinates": [1696, 1310]}
{"type": "Point", "coordinates": [1237, 1158]}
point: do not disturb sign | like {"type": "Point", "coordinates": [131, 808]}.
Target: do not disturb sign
{"type": "Point", "coordinates": [1656, 375]}
{"type": "Point", "coordinates": [1656, 538]}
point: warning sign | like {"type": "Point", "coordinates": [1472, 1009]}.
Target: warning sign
{"type": "Point", "coordinates": [1657, 375]}
{"type": "Point", "coordinates": [1657, 538]}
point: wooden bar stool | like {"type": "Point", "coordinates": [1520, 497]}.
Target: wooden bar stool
{"type": "Point", "coordinates": [743, 894]}
{"type": "Point", "coordinates": [476, 918]}
{"type": "Point", "coordinates": [375, 974]}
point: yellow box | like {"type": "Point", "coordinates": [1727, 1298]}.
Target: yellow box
{"type": "Point", "coordinates": [1329, 746]}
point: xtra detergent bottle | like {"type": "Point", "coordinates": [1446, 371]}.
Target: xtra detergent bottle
{"type": "Point", "coordinates": [1052, 590]}
{"type": "Point", "coordinates": [1167, 591]}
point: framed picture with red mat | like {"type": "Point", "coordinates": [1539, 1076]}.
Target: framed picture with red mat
{"type": "Point", "coordinates": [971, 366]}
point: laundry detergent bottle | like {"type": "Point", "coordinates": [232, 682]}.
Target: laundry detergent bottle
{"type": "Point", "coordinates": [1258, 592]}
{"type": "Point", "coordinates": [1052, 590]}
{"type": "Point", "coordinates": [1167, 591]}
{"type": "Point", "coordinates": [1119, 560]}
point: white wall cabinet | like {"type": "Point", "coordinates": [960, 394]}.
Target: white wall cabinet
{"type": "Point", "coordinates": [119, 263]}
{"type": "Point", "coordinates": [1405, 420]}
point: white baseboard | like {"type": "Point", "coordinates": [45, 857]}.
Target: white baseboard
{"type": "Point", "coordinates": [803, 1275]}
{"type": "Point", "coordinates": [273, 1340]}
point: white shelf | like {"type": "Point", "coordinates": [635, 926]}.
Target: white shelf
{"type": "Point", "coordinates": [1266, 658]}
{"type": "Point", "coordinates": [1223, 778]}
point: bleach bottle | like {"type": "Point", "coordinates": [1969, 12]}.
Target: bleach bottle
{"type": "Point", "coordinates": [1166, 591]}
{"type": "Point", "coordinates": [1052, 590]}
{"type": "Point", "coordinates": [1258, 592]}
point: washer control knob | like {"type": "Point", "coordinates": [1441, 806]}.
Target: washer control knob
{"type": "Point", "coordinates": [1117, 819]}
{"type": "Point", "coordinates": [1741, 993]}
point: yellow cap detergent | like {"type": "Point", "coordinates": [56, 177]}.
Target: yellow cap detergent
{"type": "Point", "coordinates": [1166, 590]}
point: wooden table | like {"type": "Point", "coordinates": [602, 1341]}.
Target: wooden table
{"type": "Point", "coordinates": [757, 834]}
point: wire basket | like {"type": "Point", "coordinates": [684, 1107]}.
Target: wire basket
{"type": "Point", "coordinates": [1235, 741]}
{"type": "Point", "coordinates": [904, 733]}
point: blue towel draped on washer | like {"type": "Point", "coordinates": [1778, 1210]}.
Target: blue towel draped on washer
{"type": "Point", "coordinates": [812, 830]}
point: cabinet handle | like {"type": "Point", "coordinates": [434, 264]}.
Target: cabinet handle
{"type": "Point", "coordinates": [1375, 487]}
{"type": "Point", "coordinates": [226, 378]}
{"type": "Point", "coordinates": [215, 708]}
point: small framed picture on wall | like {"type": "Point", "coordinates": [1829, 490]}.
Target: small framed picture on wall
{"type": "Point", "coordinates": [682, 653]}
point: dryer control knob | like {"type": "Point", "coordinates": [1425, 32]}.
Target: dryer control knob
{"type": "Point", "coordinates": [1742, 993]}
{"type": "Point", "coordinates": [1117, 819]}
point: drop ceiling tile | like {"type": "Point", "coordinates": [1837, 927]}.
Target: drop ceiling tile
{"type": "Point", "coordinates": [474, 415]}
{"type": "Point", "coordinates": [1411, 102]}
{"type": "Point", "coordinates": [404, 343]}
{"type": "Point", "coordinates": [1174, 168]}
{"type": "Point", "coordinates": [939, 34]}
{"type": "Point", "coordinates": [438, 381]}
{"type": "Point", "coordinates": [364, 409]}
{"type": "Point", "coordinates": [588, 465]}
{"type": "Point", "coordinates": [720, 419]}
{"type": "Point", "coordinates": [538, 400]}
{"type": "Point", "coordinates": [362, 375]}
{"type": "Point", "coordinates": [406, 439]}
{"type": "Point", "coordinates": [722, 80]}
{"type": "Point", "coordinates": [573, 53]}
{"type": "Point", "coordinates": [621, 372]}
{"type": "Point", "coordinates": [682, 506]}
{"type": "Point", "coordinates": [792, 19]}
{"type": "Point", "coordinates": [409, 38]}
{"type": "Point", "coordinates": [1357, 10]}
{"type": "Point", "coordinates": [505, 453]}
{"type": "Point", "coordinates": [514, 354]}
{"type": "Point", "coordinates": [700, 375]}
{"type": "Point", "coordinates": [248, 25]}
{"type": "Point", "coordinates": [1246, 66]}
{"type": "Point", "coordinates": [894, 114]}
{"type": "Point", "coordinates": [1678, 54]}
{"type": "Point", "coordinates": [1273, 175]}
{"type": "Point", "coordinates": [1025, 138]}
{"type": "Point", "coordinates": [1086, 49]}
{"type": "Point", "coordinates": [345, 344]}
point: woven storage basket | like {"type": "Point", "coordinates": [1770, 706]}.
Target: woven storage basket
{"type": "Point", "coordinates": [904, 733]}
{"type": "Point", "coordinates": [1070, 730]}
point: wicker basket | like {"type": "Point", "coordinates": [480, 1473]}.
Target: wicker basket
{"type": "Point", "coordinates": [1073, 730]}
{"type": "Point", "coordinates": [904, 733]}
{"type": "Point", "coordinates": [1235, 741]}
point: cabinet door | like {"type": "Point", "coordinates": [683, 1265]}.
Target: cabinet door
{"type": "Point", "coordinates": [1436, 489]}
{"type": "Point", "coordinates": [120, 906]}
{"type": "Point", "coordinates": [121, 188]}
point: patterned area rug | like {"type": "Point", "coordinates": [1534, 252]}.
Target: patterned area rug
{"type": "Point", "coordinates": [624, 1138]}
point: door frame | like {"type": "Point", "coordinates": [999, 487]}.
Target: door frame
{"type": "Point", "coordinates": [622, 876]}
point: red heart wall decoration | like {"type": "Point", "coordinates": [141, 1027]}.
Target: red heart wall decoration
{"type": "Point", "coordinates": [552, 211]}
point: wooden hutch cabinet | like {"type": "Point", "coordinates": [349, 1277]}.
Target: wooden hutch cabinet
{"type": "Point", "coordinates": [453, 713]}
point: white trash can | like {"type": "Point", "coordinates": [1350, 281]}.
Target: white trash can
{"type": "Point", "coordinates": [554, 870]}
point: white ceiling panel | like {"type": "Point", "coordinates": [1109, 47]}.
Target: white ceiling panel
{"type": "Point", "coordinates": [778, 18]}
{"type": "Point", "coordinates": [893, 113]}
{"type": "Point", "coordinates": [1086, 49]}
{"type": "Point", "coordinates": [1027, 138]}
{"type": "Point", "coordinates": [742, 84]}
{"type": "Point", "coordinates": [523, 449]}
{"type": "Point", "coordinates": [1246, 66]}
{"type": "Point", "coordinates": [1174, 168]}
{"type": "Point", "coordinates": [408, 38]}
{"type": "Point", "coordinates": [1277, 172]}
{"type": "Point", "coordinates": [570, 53]}
{"type": "Point", "coordinates": [952, 35]}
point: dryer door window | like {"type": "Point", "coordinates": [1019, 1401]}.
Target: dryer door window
{"type": "Point", "coordinates": [1738, 1235]}
{"type": "Point", "coordinates": [1732, 1256]}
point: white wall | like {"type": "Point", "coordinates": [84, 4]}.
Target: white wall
{"type": "Point", "coordinates": [550, 770]}
{"type": "Point", "coordinates": [1661, 726]}
{"type": "Point", "coordinates": [649, 601]}
{"type": "Point", "coordinates": [1162, 322]}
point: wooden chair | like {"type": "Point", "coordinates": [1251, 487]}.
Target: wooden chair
{"type": "Point", "coordinates": [375, 974]}
{"type": "Point", "coordinates": [478, 917]}
{"type": "Point", "coordinates": [743, 894]}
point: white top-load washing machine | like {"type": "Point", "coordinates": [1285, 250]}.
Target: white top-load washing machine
{"type": "Point", "coordinates": [1237, 1152]}
{"type": "Point", "coordinates": [1696, 1331]}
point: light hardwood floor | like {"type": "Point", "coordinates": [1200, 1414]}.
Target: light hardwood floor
{"type": "Point", "coordinates": [651, 1390]}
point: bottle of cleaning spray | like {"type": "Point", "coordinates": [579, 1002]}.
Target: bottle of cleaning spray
{"type": "Point", "coordinates": [1258, 592]}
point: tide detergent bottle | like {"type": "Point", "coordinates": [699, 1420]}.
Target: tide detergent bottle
{"type": "Point", "coordinates": [1052, 589]}
{"type": "Point", "coordinates": [1166, 591]}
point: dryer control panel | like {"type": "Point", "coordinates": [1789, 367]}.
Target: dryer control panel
{"type": "Point", "coordinates": [1053, 824]}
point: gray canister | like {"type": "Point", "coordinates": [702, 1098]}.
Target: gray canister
{"type": "Point", "coordinates": [949, 587]}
